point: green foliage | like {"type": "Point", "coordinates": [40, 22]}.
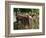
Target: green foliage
{"type": "Point", "coordinates": [23, 10]}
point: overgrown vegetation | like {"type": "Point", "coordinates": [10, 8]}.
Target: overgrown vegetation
{"type": "Point", "coordinates": [34, 13]}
